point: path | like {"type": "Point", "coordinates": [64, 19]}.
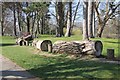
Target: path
{"type": "Point", "coordinates": [11, 71]}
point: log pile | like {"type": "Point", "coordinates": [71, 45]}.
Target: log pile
{"type": "Point", "coordinates": [78, 47]}
{"type": "Point", "coordinates": [24, 40]}
{"type": "Point", "coordinates": [67, 47]}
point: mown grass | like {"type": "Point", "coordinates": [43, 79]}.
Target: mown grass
{"type": "Point", "coordinates": [60, 66]}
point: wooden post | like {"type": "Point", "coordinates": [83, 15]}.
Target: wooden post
{"type": "Point", "coordinates": [110, 53]}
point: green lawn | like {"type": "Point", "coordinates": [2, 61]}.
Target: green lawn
{"type": "Point", "coordinates": [60, 66]}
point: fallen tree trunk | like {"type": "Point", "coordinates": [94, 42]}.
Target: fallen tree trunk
{"type": "Point", "coordinates": [91, 47]}
{"type": "Point", "coordinates": [34, 43]}
{"type": "Point", "coordinates": [78, 47]}
{"type": "Point", "coordinates": [66, 47]}
{"type": "Point", "coordinates": [44, 45]}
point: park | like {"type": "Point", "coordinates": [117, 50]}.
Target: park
{"type": "Point", "coordinates": [60, 40]}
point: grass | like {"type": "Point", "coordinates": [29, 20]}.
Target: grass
{"type": "Point", "coordinates": [60, 66]}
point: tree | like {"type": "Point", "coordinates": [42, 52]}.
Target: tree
{"type": "Point", "coordinates": [14, 13]}
{"type": "Point", "coordinates": [19, 14]}
{"type": "Point", "coordinates": [85, 20]}
{"type": "Point", "coordinates": [69, 21]}
{"type": "Point", "coordinates": [90, 18]}
{"type": "Point", "coordinates": [60, 19]}
{"type": "Point", "coordinates": [109, 13]}
{"type": "Point", "coordinates": [2, 18]}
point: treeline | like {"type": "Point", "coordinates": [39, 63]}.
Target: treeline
{"type": "Point", "coordinates": [36, 18]}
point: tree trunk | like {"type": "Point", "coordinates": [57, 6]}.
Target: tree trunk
{"type": "Point", "coordinates": [100, 29]}
{"type": "Point", "coordinates": [2, 20]}
{"type": "Point", "coordinates": [93, 24]}
{"type": "Point", "coordinates": [69, 21]}
{"type": "Point", "coordinates": [19, 20]}
{"type": "Point", "coordinates": [33, 23]}
{"type": "Point", "coordinates": [90, 19]}
{"type": "Point", "coordinates": [42, 26]}
{"type": "Point", "coordinates": [28, 24]}
{"type": "Point", "coordinates": [38, 29]}
{"type": "Point", "coordinates": [85, 20]}
{"type": "Point", "coordinates": [28, 20]}
{"type": "Point", "coordinates": [60, 19]}
{"type": "Point", "coordinates": [14, 21]}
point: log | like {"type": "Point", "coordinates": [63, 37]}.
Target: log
{"type": "Point", "coordinates": [19, 41]}
{"type": "Point", "coordinates": [110, 53]}
{"type": "Point", "coordinates": [28, 38]}
{"type": "Point", "coordinates": [91, 47]}
{"type": "Point", "coordinates": [66, 47]}
{"type": "Point", "coordinates": [79, 47]}
{"type": "Point", "coordinates": [44, 45]}
{"type": "Point", "coordinates": [34, 43]}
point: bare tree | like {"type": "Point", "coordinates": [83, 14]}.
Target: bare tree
{"type": "Point", "coordinates": [14, 13]}
{"type": "Point", "coordinates": [90, 18]}
{"type": "Point", "coordinates": [110, 11]}
{"type": "Point", "coordinates": [69, 21]}
{"type": "Point", "coordinates": [85, 20]}
{"type": "Point", "coordinates": [60, 19]}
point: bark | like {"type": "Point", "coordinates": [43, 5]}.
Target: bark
{"type": "Point", "coordinates": [93, 24]}
{"type": "Point", "coordinates": [60, 18]}
{"type": "Point", "coordinates": [85, 18]}
{"type": "Point", "coordinates": [28, 24]}
{"type": "Point", "coordinates": [42, 26]}
{"type": "Point", "coordinates": [90, 19]}
{"type": "Point", "coordinates": [79, 47]}
{"type": "Point", "coordinates": [2, 27]}
{"type": "Point", "coordinates": [44, 45]}
{"type": "Point", "coordinates": [2, 20]}
{"type": "Point", "coordinates": [19, 20]}
{"type": "Point", "coordinates": [38, 29]}
{"type": "Point", "coordinates": [69, 21]}
{"type": "Point", "coordinates": [33, 22]}
{"type": "Point", "coordinates": [28, 20]}
{"type": "Point", "coordinates": [100, 29]}
{"type": "Point", "coordinates": [14, 11]}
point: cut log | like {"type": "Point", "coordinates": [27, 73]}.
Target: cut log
{"type": "Point", "coordinates": [34, 43]}
{"type": "Point", "coordinates": [110, 53]}
{"type": "Point", "coordinates": [28, 38]}
{"type": "Point", "coordinates": [91, 47]}
{"type": "Point", "coordinates": [79, 47]}
{"type": "Point", "coordinates": [19, 41]}
{"type": "Point", "coordinates": [44, 45]}
{"type": "Point", "coordinates": [66, 47]}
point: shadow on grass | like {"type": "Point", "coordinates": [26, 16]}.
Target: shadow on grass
{"type": "Point", "coordinates": [6, 44]}
{"type": "Point", "coordinates": [112, 42]}
{"type": "Point", "coordinates": [73, 69]}
{"type": "Point", "coordinates": [6, 74]}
